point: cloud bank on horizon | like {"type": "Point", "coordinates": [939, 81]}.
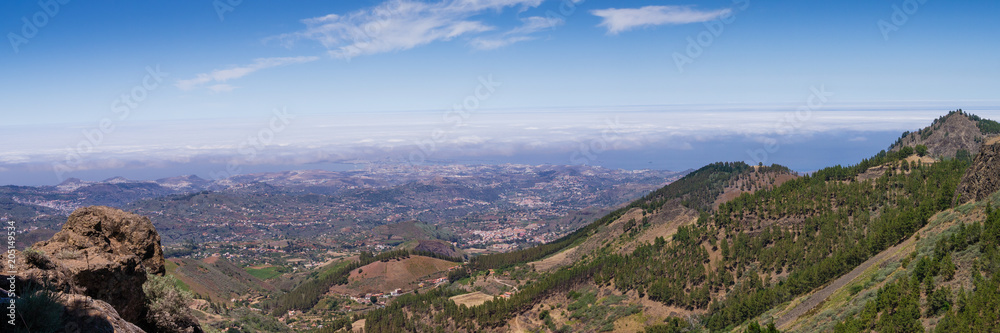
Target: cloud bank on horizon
{"type": "Point", "coordinates": [569, 137]}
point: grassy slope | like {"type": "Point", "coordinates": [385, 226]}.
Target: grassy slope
{"type": "Point", "coordinates": [848, 299]}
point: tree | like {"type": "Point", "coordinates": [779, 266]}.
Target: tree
{"type": "Point", "coordinates": [374, 300]}
{"type": "Point", "coordinates": [906, 151]}
{"type": "Point", "coordinates": [921, 150]}
{"type": "Point", "coordinates": [947, 268]}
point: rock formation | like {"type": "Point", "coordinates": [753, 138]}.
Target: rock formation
{"type": "Point", "coordinates": [983, 177]}
{"type": "Point", "coordinates": [105, 254]}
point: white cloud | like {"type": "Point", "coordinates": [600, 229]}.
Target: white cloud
{"type": "Point", "coordinates": [535, 24]}
{"type": "Point", "coordinates": [617, 20]}
{"type": "Point", "coordinates": [221, 87]}
{"type": "Point", "coordinates": [521, 33]}
{"type": "Point", "coordinates": [220, 76]}
{"type": "Point", "coordinates": [496, 43]}
{"type": "Point", "coordinates": [401, 25]}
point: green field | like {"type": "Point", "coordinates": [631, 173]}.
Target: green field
{"type": "Point", "coordinates": [264, 273]}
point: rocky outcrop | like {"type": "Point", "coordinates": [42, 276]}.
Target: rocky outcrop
{"type": "Point", "coordinates": [85, 314]}
{"type": "Point", "coordinates": [983, 177]}
{"type": "Point", "coordinates": [104, 254]}
{"type": "Point", "coordinates": [946, 136]}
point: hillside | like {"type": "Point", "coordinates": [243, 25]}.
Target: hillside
{"type": "Point", "coordinates": [955, 250]}
{"type": "Point", "coordinates": [701, 254]}
{"type": "Point", "coordinates": [386, 276]}
{"type": "Point", "coordinates": [216, 279]}
{"type": "Point", "coordinates": [414, 230]}
{"type": "Point", "coordinates": [951, 134]}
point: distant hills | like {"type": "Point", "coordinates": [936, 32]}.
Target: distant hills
{"type": "Point", "coordinates": [309, 203]}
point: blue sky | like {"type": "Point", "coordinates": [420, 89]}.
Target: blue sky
{"type": "Point", "coordinates": [216, 72]}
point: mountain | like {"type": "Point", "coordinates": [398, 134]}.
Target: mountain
{"type": "Point", "coordinates": [731, 247]}
{"type": "Point", "coordinates": [951, 134]}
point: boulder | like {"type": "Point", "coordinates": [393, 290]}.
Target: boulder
{"type": "Point", "coordinates": [102, 255]}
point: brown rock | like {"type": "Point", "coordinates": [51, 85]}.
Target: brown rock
{"type": "Point", "coordinates": [85, 314]}
{"type": "Point", "coordinates": [113, 231]}
{"type": "Point", "coordinates": [104, 254]}
{"type": "Point", "coordinates": [983, 177]}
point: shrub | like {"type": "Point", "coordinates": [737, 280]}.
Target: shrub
{"type": "Point", "coordinates": [168, 305]}
{"type": "Point", "coordinates": [40, 311]}
{"type": "Point", "coordinates": [37, 258]}
{"type": "Point", "coordinates": [66, 254]}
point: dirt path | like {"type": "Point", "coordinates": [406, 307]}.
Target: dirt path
{"type": "Point", "coordinates": [504, 283]}
{"type": "Point", "coordinates": [821, 295]}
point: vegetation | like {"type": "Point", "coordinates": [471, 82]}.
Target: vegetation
{"type": "Point", "coordinates": [168, 305]}
{"type": "Point", "coordinates": [267, 273]}
{"type": "Point", "coordinates": [671, 325]}
{"type": "Point", "coordinates": [898, 306]}
{"type": "Point", "coordinates": [591, 313]}
{"type": "Point", "coordinates": [37, 258]}
{"type": "Point", "coordinates": [841, 223]}
{"type": "Point", "coordinates": [985, 125]}
{"type": "Point", "coordinates": [307, 294]}
{"type": "Point", "coordinates": [842, 231]}
{"type": "Point", "coordinates": [697, 189]}
{"type": "Point", "coordinates": [39, 310]}
{"type": "Point", "coordinates": [433, 254]}
{"type": "Point", "coordinates": [808, 231]}
{"type": "Point", "coordinates": [246, 320]}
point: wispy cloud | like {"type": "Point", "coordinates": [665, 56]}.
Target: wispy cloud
{"type": "Point", "coordinates": [220, 76]}
{"type": "Point", "coordinates": [531, 25]}
{"type": "Point", "coordinates": [401, 25]}
{"type": "Point", "coordinates": [617, 20]}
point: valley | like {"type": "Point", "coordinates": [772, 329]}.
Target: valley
{"type": "Point", "coordinates": [902, 239]}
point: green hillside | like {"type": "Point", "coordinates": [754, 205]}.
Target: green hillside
{"type": "Point", "coordinates": [752, 254]}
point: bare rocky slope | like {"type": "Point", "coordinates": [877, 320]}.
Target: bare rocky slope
{"type": "Point", "coordinates": [983, 176]}
{"type": "Point", "coordinates": [948, 135]}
